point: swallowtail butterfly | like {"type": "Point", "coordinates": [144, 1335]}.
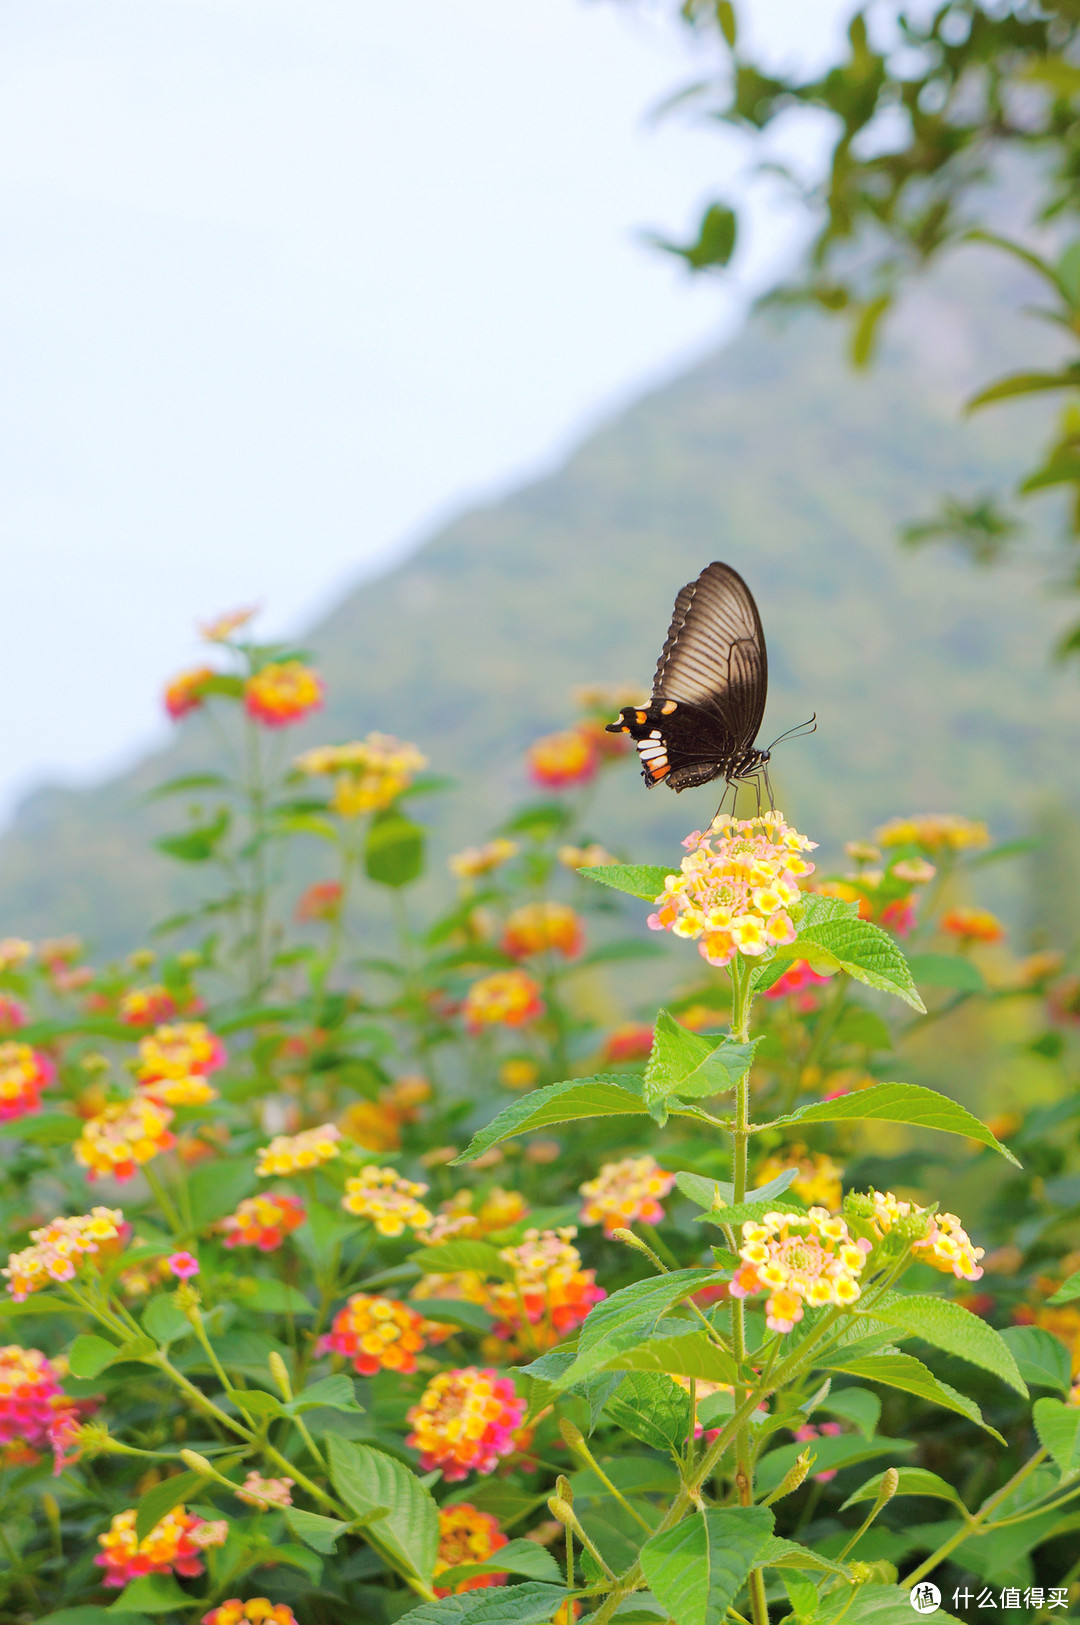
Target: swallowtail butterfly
{"type": "Point", "coordinates": [709, 691]}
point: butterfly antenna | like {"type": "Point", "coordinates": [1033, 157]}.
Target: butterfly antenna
{"type": "Point", "coordinates": [796, 733]}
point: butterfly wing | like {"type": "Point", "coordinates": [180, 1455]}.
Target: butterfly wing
{"type": "Point", "coordinates": [710, 685]}
{"type": "Point", "coordinates": [714, 657]}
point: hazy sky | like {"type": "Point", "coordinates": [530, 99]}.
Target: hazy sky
{"type": "Point", "coordinates": [285, 282]}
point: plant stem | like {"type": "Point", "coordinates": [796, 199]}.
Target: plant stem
{"type": "Point", "coordinates": [976, 1521]}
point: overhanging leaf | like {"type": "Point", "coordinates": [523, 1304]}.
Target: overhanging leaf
{"type": "Point", "coordinates": [638, 879]}
{"type": "Point", "coordinates": [564, 1102]}
{"type": "Point", "coordinates": [652, 1407]}
{"type": "Point", "coordinates": [860, 948]}
{"type": "Point", "coordinates": [1058, 1427]}
{"type": "Point", "coordinates": [1068, 1291]}
{"type": "Point", "coordinates": [89, 1355]}
{"type": "Point", "coordinates": [948, 1326]}
{"type": "Point", "coordinates": [316, 1531]}
{"type": "Point", "coordinates": [894, 1369]}
{"type": "Point", "coordinates": [899, 1103]}
{"type": "Point", "coordinates": [683, 1064]}
{"type": "Point", "coordinates": [1041, 1358]}
{"type": "Point", "coordinates": [655, 1296]}
{"type": "Point", "coordinates": [910, 1481]}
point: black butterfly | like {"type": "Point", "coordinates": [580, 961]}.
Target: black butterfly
{"type": "Point", "coordinates": [709, 690]}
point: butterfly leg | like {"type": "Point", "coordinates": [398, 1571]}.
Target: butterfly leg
{"type": "Point", "coordinates": [768, 786]}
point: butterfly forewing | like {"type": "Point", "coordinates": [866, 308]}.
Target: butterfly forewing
{"type": "Point", "coordinates": [714, 656]}
{"type": "Point", "coordinates": [709, 690]}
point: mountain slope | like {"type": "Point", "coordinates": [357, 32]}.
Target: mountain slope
{"type": "Point", "coordinates": [930, 680]}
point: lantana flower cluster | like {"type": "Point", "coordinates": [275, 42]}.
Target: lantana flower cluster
{"type": "Point", "coordinates": [462, 1216]}
{"type": "Point", "coordinates": [58, 1249]}
{"type": "Point", "coordinates": [123, 1138]}
{"type": "Point", "coordinates": [467, 1535]}
{"type": "Point", "coordinates": [391, 1202]}
{"type": "Point", "coordinates": [506, 998]}
{"type": "Point", "coordinates": [626, 1192]}
{"type": "Point", "coordinates": [173, 1545]}
{"type": "Point", "coordinates": [735, 887]}
{"type": "Point", "coordinates": [24, 1073]}
{"type": "Point", "coordinates": [376, 1334]}
{"type": "Point", "coordinates": [972, 925]}
{"type": "Point", "coordinates": [481, 860]}
{"type": "Point", "coordinates": [369, 774]}
{"type": "Point", "coordinates": [377, 1124]}
{"type": "Point", "coordinates": [800, 1260]}
{"type": "Point", "coordinates": [819, 1181]}
{"type": "Point", "coordinates": [549, 1286]}
{"type": "Point", "coordinates": [938, 1239]}
{"type": "Point", "coordinates": [33, 1407]}
{"type": "Point", "coordinates": [263, 1221]}
{"type": "Point", "coordinates": [283, 692]}
{"type": "Point", "coordinates": [538, 928]}
{"type": "Point", "coordinates": [147, 1006]}
{"type": "Point", "coordinates": [298, 1153]}
{"type": "Point", "coordinates": [256, 1611]}
{"type": "Point", "coordinates": [465, 1422]}
{"type": "Point", "coordinates": [183, 1050]}
{"type": "Point", "coordinates": [934, 832]}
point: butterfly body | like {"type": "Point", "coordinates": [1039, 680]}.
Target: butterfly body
{"type": "Point", "coordinates": [709, 690]}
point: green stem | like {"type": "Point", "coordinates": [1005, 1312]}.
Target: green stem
{"type": "Point", "coordinates": [165, 1203]}
{"type": "Point", "coordinates": [976, 1520]}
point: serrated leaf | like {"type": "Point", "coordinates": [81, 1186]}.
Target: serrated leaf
{"type": "Point", "coordinates": [533, 1603]}
{"type": "Point", "coordinates": [652, 1407]}
{"type": "Point", "coordinates": [367, 1479]}
{"type": "Point", "coordinates": [947, 970]}
{"type": "Point", "coordinates": [637, 879]}
{"type": "Point", "coordinates": [909, 1103]}
{"type": "Point", "coordinates": [685, 1354]}
{"type": "Point", "coordinates": [316, 1531]}
{"type": "Point", "coordinates": [1058, 1427]}
{"type": "Point", "coordinates": [872, 1605]}
{"type": "Point", "coordinates": [451, 1256]}
{"type": "Point", "coordinates": [894, 1369]}
{"type": "Point", "coordinates": [739, 1212]}
{"type": "Point", "coordinates": [516, 1557]}
{"type": "Point", "coordinates": [697, 1568]}
{"type": "Point", "coordinates": [683, 1064]}
{"type": "Point", "coordinates": [708, 1193]}
{"type": "Point", "coordinates": [1041, 1358]}
{"type": "Point", "coordinates": [830, 1454]}
{"type": "Point", "coordinates": [948, 1326]}
{"type": "Point", "coordinates": [152, 1594]}
{"type": "Point", "coordinates": [858, 947]}
{"type": "Point", "coordinates": [564, 1102]}
{"type": "Point", "coordinates": [332, 1393]}
{"type": "Point", "coordinates": [910, 1481]}
{"type": "Point", "coordinates": [163, 1321]}
{"type": "Point", "coordinates": [655, 1296]}
{"type": "Point", "coordinates": [790, 1554]}
{"type": "Point", "coordinates": [89, 1355]}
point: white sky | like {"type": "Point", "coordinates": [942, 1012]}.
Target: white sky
{"type": "Point", "coordinates": [285, 282]}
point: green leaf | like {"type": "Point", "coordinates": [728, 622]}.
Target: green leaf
{"type": "Point", "coordinates": [531, 1604]}
{"type": "Point", "coordinates": [215, 1188]}
{"type": "Point", "coordinates": [873, 1605]}
{"type": "Point", "coordinates": [910, 1481]}
{"type": "Point", "coordinates": [89, 1355]}
{"type": "Point", "coordinates": [830, 1454]}
{"type": "Point", "coordinates": [683, 1064]}
{"type": "Point", "coordinates": [739, 1212]}
{"type": "Point", "coordinates": [1024, 383]}
{"type": "Point", "coordinates": [709, 1193]}
{"type": "Point", "coordinates": [394, 851]}
{"type": "Point", "coordinates": [91, 1615]}
{"type": "Point", "coordinates": [516, 1557]}
{"type": "Point", "coordinates": [187, 781]}
{"type": "Point", "coordinates": [564, 1102]}
{"type": "Point", "coordinates": [864, 333]}
{"type": "Point", "coordinates": [857, 1025]}
{"type": "Point", "coordinates": [153, 1594]}
{"type": "Point", "coordinates": [43, 1128]}
{"type": "Point", "coordinates": [947, 970]}
{"type": "Point", "coordinates": [1057, 1426]}
{"type": "Point", "coordinates": [896, 1370]}
{"type": "Point", "coordinates": [790, 1554]}
{"type": "Point", "coordinates": [654, 1296]}
{"type": "Point", "coordinates": [856, 1405]}
{"type": "Point", "coordinates": [198, 844]}
{"type": "Point", "coordinates": [1040, 1357]}
{"type": "Point", "coordinates": [298, 1557]}
{"type": "Point", "coordinates": [156, 1503]}
{"type": "Point", "coordinates": [316, 1531]}
{"type": "Point", "coordinates": [332, 1393]}
{"type": "Point", "coordinates": [715, 242]}
{"type": "Point", "coordinates": [271, 1297]}
{"type": "Point", "coordinates": [256, 1401]}
{"type": "Point", "coordinates": [367, 1479]}
{"type": "Point", "coordinates": [685, 1354]}
{"type": "Point", "coordinates": [863, 950]}
{"type": "Point", "coordinates": [163, 1321]}
{"type": "Point", "coordinates": [899, 1103]}
{"type": "Point", "coordinates": [450, 1256]}
{"type": "Point", "coordinates": [943, 1323]}
{"type": "Point", "coordinates": [1068, 1291]}
{"type": "Point", "coordinates": [638, 879]}
{"type": "Point", "coordinates": [697, 1568]}
{"type": "Point", "coordinates": [653, 1408]}
{"type": "Point", "coordinates": [454, 1312]}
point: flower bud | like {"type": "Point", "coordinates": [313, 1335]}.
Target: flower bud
{"type": "Point", "coordinates": [279, 1372]}
{"type": "Point", "coordinates": [572, 1437]}
{"type": "Point", "coordinates": [794, 1476]}
{"type": "Point", "coordinates": [197, 1463]}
